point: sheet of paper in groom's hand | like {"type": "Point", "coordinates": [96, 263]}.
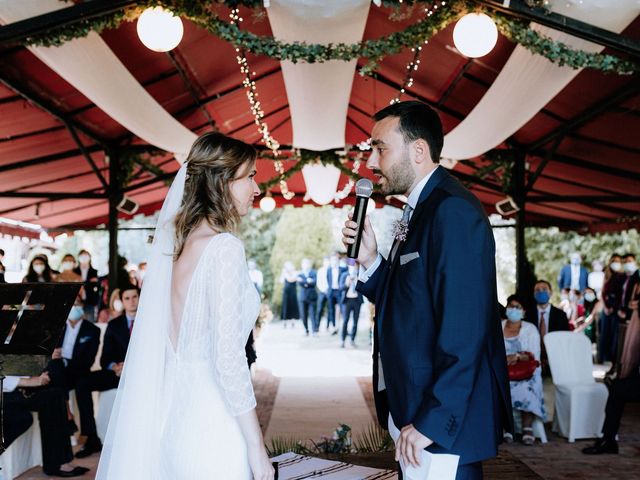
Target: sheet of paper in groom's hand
{"type": "Point", "coordinates": [433, 466]}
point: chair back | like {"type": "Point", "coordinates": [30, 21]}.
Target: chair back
{"type": "Point", "coordinates": [570, 359]}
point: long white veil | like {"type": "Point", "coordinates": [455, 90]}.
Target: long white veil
{"type": "Point", "coordinates": [132, 445]}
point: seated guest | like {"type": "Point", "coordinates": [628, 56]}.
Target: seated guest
{"type": "Point", "coordinates": [76, 352]}
{"type": "Point", "coordinates": [546, 318]}
{"type": "Point", "coordinates": [622, 390]}
{"type": "Point", "coordinates": [114, 351]}
{"type": "Point", "coordinates": [351, 301]}
{"type": "Point", "coordinates": [25, 395]}
{"type": "Point", "coordinates": [521, 341]}
{"type": "Point", "coordinates": [592, 308]}
{"type": "Point", "coordinates": [39, 270]}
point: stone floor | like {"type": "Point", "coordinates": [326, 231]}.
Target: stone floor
{"type": "Point", "coordinates": [287, 357]}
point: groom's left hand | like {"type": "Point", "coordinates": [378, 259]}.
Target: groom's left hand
{"type": "Point", "coordinates": [410, 445]}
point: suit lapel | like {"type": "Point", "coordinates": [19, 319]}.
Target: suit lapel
{"type": "Point", "coordinates": [437, 177]}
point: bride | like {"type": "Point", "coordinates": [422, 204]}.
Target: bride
{"type": "Point", "coordinates": [185, 407]}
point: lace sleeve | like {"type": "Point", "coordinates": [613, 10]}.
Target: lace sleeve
{"type": "Point", "coordinates": [228, 309]}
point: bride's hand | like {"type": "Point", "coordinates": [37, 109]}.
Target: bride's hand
{"type": "Point", "coordinates": [260, 464]}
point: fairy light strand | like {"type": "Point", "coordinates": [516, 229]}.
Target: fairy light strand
{"type": "Point", "coordinates": [413, 65]}
{"type": "Point", "coordinates": [256, 109]}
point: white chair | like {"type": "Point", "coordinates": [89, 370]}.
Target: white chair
{"type": "Point", "coordinates": [25, 452]}
{"type": "Point", "coordinates": [579, 400]}
{"type": "Point", "coordinates": [105, 405]}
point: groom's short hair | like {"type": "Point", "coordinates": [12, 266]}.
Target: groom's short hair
{"type": "Point", "coordinates": [417, 120]}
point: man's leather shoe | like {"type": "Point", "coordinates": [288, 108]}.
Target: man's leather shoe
{"type": "Point", "coordinates": [89, 448]}
{"type": "Point", "coordinates": [601, 446]}
{"type": "Point", "coordinates": [76, 472]}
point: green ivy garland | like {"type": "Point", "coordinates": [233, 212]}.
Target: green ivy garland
{"type": "Point", "coordinates": [304, 157]}
{"type": "Point", "coordinates": [374, 50]}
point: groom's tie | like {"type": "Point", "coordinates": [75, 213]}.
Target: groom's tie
{"type": "Point", "coordinates": [406, 215]}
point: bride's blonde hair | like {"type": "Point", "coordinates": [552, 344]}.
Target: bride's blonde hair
{"type": "Point", "coordinates": [213, 162]}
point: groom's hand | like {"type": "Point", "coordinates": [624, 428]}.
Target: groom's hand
{"type": "Point", "coordinates": [410, 445]}
{"type": "Point", "coordinates": [368, 245]}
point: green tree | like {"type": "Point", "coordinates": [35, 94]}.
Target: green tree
{"type": "Point", "coordinates": [301, 233]}
{"type": "Point", "coordinates": [258, 231]}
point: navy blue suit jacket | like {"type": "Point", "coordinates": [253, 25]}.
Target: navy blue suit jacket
{"type": "Point", "coordinates": [438, 329]}
{"type": "Point", "coordinates": [85, 348]}
{"type": "Point", "coordinates": [564, 279]}
{"type": "Point", "coordinates": [116, 342]}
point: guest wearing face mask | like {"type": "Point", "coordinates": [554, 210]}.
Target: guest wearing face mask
{"type": "Point", "coordinates": [614, 277]}
{"type": "Point", "coordinates": [67, 266]}
{"type": "Point", "coordinates": [89, 276]}
{"type": "Point", "coordinates": [522, 342]}
{"type": "Point", "coordinates": [573, 275]}
{"type": "Point", "coordinates": [351, 303]}
{"type": "Point", "coordinates": [39, 270]}
{"type": "Point", "coordinates": [546, 318]}
{"type": "Point", "coordinates": [632, 277]}
{"type": "Point", "coordinates": [75, 353]}
{"type": "Point", "coordinates": [308, 296]}
{"type": "Point", "coordinates": [591, 311]}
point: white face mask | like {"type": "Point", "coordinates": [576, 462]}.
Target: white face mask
{"type": "Point", "coordinates": [38, 269]}
{"type": "Point", "coordinates": [67, 266]}
{"type": "Point", "coordinates": [84, 258]}
{"type": "Point", "coordinates": [615, 266]}
{"type": "Point", "coordinates": [630, 267]}
{"type": "Point", "coordinates": [117, 305]}
{"type": "Point", "coordinates": [589, 296]}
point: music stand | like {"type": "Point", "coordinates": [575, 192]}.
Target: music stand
{"type": "Point", "coordinates": [32, 316]}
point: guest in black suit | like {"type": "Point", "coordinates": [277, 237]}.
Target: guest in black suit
{"type": "Point", "coordinates": [25, 395]}
{"type": "Point", "coordinates": [351, 302]}
{"type": "Point", "coordinates": [76, 351]}
{"type": "Point", "coordinates": [114, 351]}
{"type": "Point", "coordinates": [308, 296]}
{"type": "Point", "coordinates": [90, 278]}
{"type": "Point", "coordinates": [75, 354]}
{"type": "Point", "coordinates": [546, 318]}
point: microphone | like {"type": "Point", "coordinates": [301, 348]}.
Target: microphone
{"type": "Point", "coordinates": [364, 189]}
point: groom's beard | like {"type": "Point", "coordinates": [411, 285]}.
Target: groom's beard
{"type": "Point", "coordinates": [399, 178]}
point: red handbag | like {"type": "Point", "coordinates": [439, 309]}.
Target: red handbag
{"type": "Point", "coordinates": [523, 369]}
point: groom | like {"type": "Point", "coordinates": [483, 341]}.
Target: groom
{"type": "Point", "coordinates": [440, 373]}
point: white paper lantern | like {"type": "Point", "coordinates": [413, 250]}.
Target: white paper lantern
{"type": "Point", "coordinates": [159, 29]}
{"type": "Point", "coordinates": [321, 181]}
{"type": "Point", "coordinates": [475, 35]}
{"type": "Point", "coordinates": [267, 204]}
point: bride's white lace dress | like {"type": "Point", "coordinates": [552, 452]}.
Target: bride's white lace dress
{"type": "Point", "coordinates": [207, 380]}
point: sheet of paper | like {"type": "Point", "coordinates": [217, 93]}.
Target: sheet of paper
{"type": "Point", "coordinates": [433, 466]}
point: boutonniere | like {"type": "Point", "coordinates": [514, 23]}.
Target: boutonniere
{"type": "Point", "coordinates": [400, 230]}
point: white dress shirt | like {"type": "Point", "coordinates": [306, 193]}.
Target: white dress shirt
{"type": "Point", "coordinates": [70, 336]}
{"type": "Point", "coordinates": [321, 282]}
{"type": "Point", "coordinates": [412, 201]}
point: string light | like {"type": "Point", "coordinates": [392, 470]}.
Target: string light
{"type": "Point", "coordinates": [346, 190]}
{"type": "Point", "coordinates": [256, 109]}
{"type": "Point", "coordinates": [414, 64]}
